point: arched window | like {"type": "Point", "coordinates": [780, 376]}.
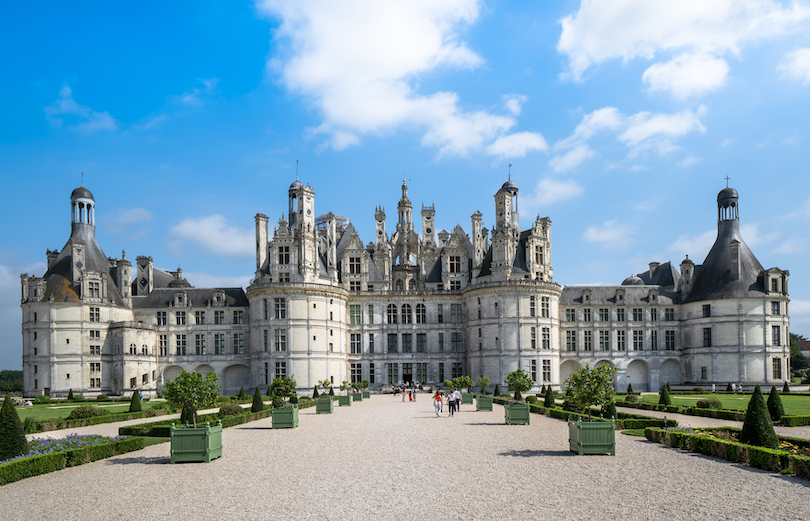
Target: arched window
{"type": "Point", "coordinates": [421, 314]}
{"type": "Point", "coordinates": [407, 314]}
{"type": "Point", "coordinates": [411, 285]}
{"type": "Point", "coordinates": [392, 313]}
{"type": "Point", "coordinates": [399, 285]}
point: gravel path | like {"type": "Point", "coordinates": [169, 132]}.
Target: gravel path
{"type": "Point", "coordinates": [385, 459]}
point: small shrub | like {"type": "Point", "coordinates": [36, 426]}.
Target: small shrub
{"type": "Point", "coordinates": [315, 393]}
{"type": "Point", "coordinates": [632, 398]}
{"type": "Point", "coordinates": [84, 411]}
{"type": "Point", "coordinates": [12, 436]}
{"type": "Point", "coordinates": [241, 395]}
{"type": "Point", "coordinates": [609, 410]}
{"type": "Point", "coordinates": [135, 402]}
{"type": "Point", "coordinates": [29, 425]}
{"type": "Point", "coordinates": [294, 399]}
{"type": "Point", "coordinates": [785, 388]}
{"type": "Point", "coordinates": [497, 391]}
{"type": "Point", "coordinates": [629, 388]}
{"type": "Point", "coordinates": [531, 399]}
{"type": "Point", "coordinates": [102, 398]}
{"type": "Point", "coordinates": [775, 408]}
{"type": "Point", "coordinates": [709, 403]}
{"type": "Point", "coordinates": [223, 399]}
{"type": "Point", "coordinates": [728, 388]}
{"type": "Point", "coordinates": [70, 394]}
{"type": "Point", "coordinates": [543, 390]}
{"type": "Point", "coordinates": [42, 399]}
{"type": "Point", "coordinates": [229, 409]}
{"type": "Point", "coordinates": [757, 426]}
{"type": "Point", "coordinates": [549, 399]}
{"type": "Point", "coordinates": [665, 399]}
{"type": "Point", "coordinates": [699, 389]}
{"type": "Point", "coordinates": [78, 398]}
{"type": "Point", "coordinates": [258, 404]}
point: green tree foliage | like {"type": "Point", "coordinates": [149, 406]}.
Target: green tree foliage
{"type": "Point", "coordinates": [12, 437]}
{"type": "Point", "coordinates": [549, 401]}
{"type": "Point", "coordinates": [70, 394]}
{"type": "Point", "coordinates": [589, 387]}
{"type": "Point", "coordinates": [463, 382]}
{"type": "Point", "coordinates": [11, 381]}
{"type": "Point", "coordinates": [191, 391]}
{"type": "Point", "coordinates": [629, 388]}
{"type": "Point", "coordinates": [757, 426]}
{"type": "Point", "coordinates": [83, 412]}
{"type": "Point", "coordinates": [665, 398]}
{"type": "Point", "coordinates": [135, 402]}
{"type": "Point", "coordinates": [315, 393]}
{"type": "Point", "coordinates": [242, 395]}
{"type": "Point", "coordinates": [280, 389]}
{"type": "Point", "coordinates": [543, 390]}
{"type": "Point", "coordinates": [775, 408]}
{"type": "Point", "coordinates": [497, 391]}
{"type": "Point", "coordinates": [519, 382]}
{"type": "Point", "coordinates": [786, 388]}
{"type": "Point", "coordinates": [346, 386]}
{"type": "Point", "coordinates": [728, 388]}
{"type": "Point", "coordinates": [258, 404]}
{"type": "Point", "coordinates": [326, 385]}
{"type": "Point", "coordinates": [798, 361]}
{"type": "Point", "coordinates": [483, 383]}
{"type": "Point", "coordinates": [365, 384]}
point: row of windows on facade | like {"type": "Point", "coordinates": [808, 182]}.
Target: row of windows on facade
{"type": "Point", "coordinates": [355, 264]}
{"type": "Point", "coordinates": [95, 382]}
{"type": "Point", "coordinates": [418, 371]}
{"type": "Point", "coordinates": [199, 318]}
{"type": "Point", "coordinates": [604, 315]}
{"type": "Point", "coordinates": [638, 339]}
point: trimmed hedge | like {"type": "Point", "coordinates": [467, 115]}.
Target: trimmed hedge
{"type": "Point", "coordinates": [36, 465]}
{"type": "Point", "coordinates": [794, 421]}
{"type": "Point", "coordinates": [59, 423]}
{"type": "Point", "coordinates": [762, 458]}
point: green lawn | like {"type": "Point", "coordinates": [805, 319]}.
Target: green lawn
{"type": "Point", "coordinates": [798, 405]}
{"type": "Point", "coordinates": [52, 411]}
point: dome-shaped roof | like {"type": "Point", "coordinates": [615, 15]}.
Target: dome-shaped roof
{"type": "Point", "coordinates": [727, 195]}
{"type": "Point", "coordinates": [509, 186]}
{"type": "Point", "coordinates": [632, 280]}
{"type": "Point", "coordinates": [81, 193]}
{"type": "Point", "coordinates": [296, 185]}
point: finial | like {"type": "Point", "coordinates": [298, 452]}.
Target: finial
{"type": "Point", "coordinates": [296, 170]}
{"type": "Point", "coordinates": [82, 179]}
{"type": "Point", "coordinates": [727, 178]}
{"type": "Point", "coordinates": [123, 254]}
{"type": "Point", "coordinates": [510, 171]}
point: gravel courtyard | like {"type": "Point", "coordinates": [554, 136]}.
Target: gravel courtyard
{"type": "Point", "coordinates": [387, 459]}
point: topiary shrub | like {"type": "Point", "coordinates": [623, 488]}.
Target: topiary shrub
{"type": "Point", "coordinates": [531, 399]}
{"type": "Point", "coordinates": [102, 398]}
{"type": "Point", "coordinates": [12, 436]}
{"type": "Point", "coordinates": [230, 409]}
{"type": "Point", "coordinates": [665, 399]}
{"type": "Point", "coordinates": [84, 411]}
{"type": "Point", "coordinates": [42, 399]}
{"type": "Point", "coordinates": [241, 395]}
{"type": "Point", "coordinates": [630, 388]}
{"type": "Point", "coordinates": [631, 398]}
{"type": "Point", "coordinates": [549, 400]}
{"type": "Point", "coordinates": [728, 388]}
{"type": "Point", "coordinates": [757, 427]}
{"type": "Point", "coordinates": [519, 382]}
{"type": "Point", "coordinates": [497, 391]}
{"type": "Point", "coordinates": [315, 393]}
{"type": "Point", "coordinates": [698, 389]}
{"type": "Point", "coordinates": [294, 398]}
{"type": "Point", "coordinates": [258, 404]}
{"type": "Point", "coordinates": [543, 390]}
{"type": "Point", "coordinates": [135, 402]}
{"type": "Point", "coordinates": [609, 410]}
{"type": "Point", "coordinates": [224, 399]}
{"type": "Point", "coordinates": [187, 416]}
{"type": "Point", "coordinates": [785, 388]}
{"type": "Point", "coordinates": [775, 408]}
{"type": "Point", "coordinates": [70, 394]}
{"type": "Point", "coordinates": [709, 403]}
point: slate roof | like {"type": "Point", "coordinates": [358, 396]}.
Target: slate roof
{"type": "Point", "coordinates": [666, 276]}
{"type": "Point", "coordinates": [197, 297]}
{"type": "Point", "coordinates": [606, 295]}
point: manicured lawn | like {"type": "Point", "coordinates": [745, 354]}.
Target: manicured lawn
{"type": "Point", "coordinates": [52, 411]}
{"type": "Point", "coordinates": [798, 405]}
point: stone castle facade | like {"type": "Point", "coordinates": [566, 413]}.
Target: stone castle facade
{"type": "Point", "coordinates": [413, 306]}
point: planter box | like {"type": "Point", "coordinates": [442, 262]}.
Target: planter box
{"type": "Point", "coordinates": [516, 413]}
{"type": "Point", "coordinates": [202, 443]}
{"type": "Point", "coordinates": [324, 406]}
{"type": "Point", "coordinates": [285, 417]}
{"type": "Point", "coordinates": [344, 400]}
{"type": "Point", "coordinates": [592, 437]}
{"type": "Point", "coordinates": [483, 403]}
{"type": "Point", "coordinates": [366, 395]}
{"type": "Point", "coordinates": [466, 398]}
{"type": "Point", "coordinates": [357, 397]}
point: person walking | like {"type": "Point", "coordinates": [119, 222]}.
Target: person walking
{"type": "Point", "coordinates": [451, 404]}
{"type": "Point", "coordinates": [403, 393]}
{"type": "Point", "coordinates": [457, 394]}
{"type": "Point", "coordinates": [437, 402]}
{"type": "Point", "coordinates": [414, 393]}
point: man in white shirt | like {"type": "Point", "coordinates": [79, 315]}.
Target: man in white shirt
{"type": "Point", "coordinates": [457, 394]}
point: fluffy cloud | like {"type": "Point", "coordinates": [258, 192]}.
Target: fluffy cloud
{"type": "Point", "coordinates": [211, 235]}
{"type": "Point", "coordinates": [700, 31]}
{"type": "Point", "coordinates": [549, 191]}
{"type": "Point", "coordinates": [572, 159]}
{"type": "Point", "coordinates": [196, 96]}
{"type": "Point", "coordinates": [358, 62]}
{"type": "Point", "coordinates": [127, 222]}
{"type": "Point", "coordinates": [612, 234]}
{"type": "Point", "coordinates": [796, 65]}
{"type": "Point", "coordinates": [697, 246]}
{"type": "Point", "coordinates": [84, 119]}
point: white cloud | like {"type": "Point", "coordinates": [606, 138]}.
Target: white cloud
{"type": "Point", "coordinates": [358, 62]}
{"type": "Point", "coordinates": [607, 118]}
{"type": "Point", "coordinates": [572, 159]}
{"type": "Point", "coordinates": [612, 234]}
{"type": "Point", "coordinates": [84, 119]}
{"type": "Point", "coordinates": [687, 75]}
{"type": "Point", "coordinates": [517, 144]}
{"type": "Point", "coordinates": [753, 237]}
{"type": "Point", "coordinates": [196, 96]}
{"type": "Point", "coordinates": [796, 65]}
{"type": "Point", "coordinates": [213, 235]}
{"type": "Point", "coordinates": [793, 245]}
{"type": "Point", "coordinates": [549, 191]}
{"type": "Point", "coordinates": [696, 246]}
{"type": "Point", "coordinates": [700, 31]}
{"type": "Point", "coordinates": [127, 222]}
{"type": "Point", "coordinates": [645, 125]}
{"type": "Point", "coordinates": [800, 316]}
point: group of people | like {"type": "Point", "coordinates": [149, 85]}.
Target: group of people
{"type": "Point", "coordinates": [453, 401]}
{"type": "Point", "coordinates": [408, 390]}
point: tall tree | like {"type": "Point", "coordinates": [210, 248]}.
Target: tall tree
{"type": "Point", "coordinates": [12, 437]}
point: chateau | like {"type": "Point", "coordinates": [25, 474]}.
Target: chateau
{"type": "Point", "coordinates": [413, 306]}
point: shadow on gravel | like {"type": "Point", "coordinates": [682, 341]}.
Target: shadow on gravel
{"type": "Point", "coordinates": [535, 453]}
{"type": "Point", "coordinates": [156, 460]}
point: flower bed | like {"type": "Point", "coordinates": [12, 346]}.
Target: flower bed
{"type": "Point", "coordinates": [61, 423]}
{"type": "Point", "coordinates": [48, 455]}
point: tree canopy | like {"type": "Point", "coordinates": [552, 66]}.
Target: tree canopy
{"type": "Point", "coordinates": [589, 387]}
{"type": "Point", "coordinates": [192, 391]}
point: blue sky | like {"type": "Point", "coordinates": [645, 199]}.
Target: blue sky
{"type": "Point", "coordinates": [621, 120]}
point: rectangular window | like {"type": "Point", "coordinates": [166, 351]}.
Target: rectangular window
{"type": "Point", "coordinates": [441, 342]}
{"type": "Point", "coordinates": [355, 285]}
{"type": "Point", "coordinates": [586, 314]}
{"type": "Point", "coordinates": [669, 340]}
{"type": "Point", "coordinates": [534, 370]}
{"type": "Point", "coordinates": [180, 318]}
{"type": "Point", "coordinates": [654, 340]}
{"type": "Point", "coordinates": [95, 350]}
{"type": "Point", "coordinates": [638, 340]}
{"type": "Point", "coordinates": [219, 343]}
{"type": "Point", "coordinates": [219, 317]}
{"type": "Point", "coordinates": [703, 372]}
{"type": "Point", "coordinates": [356, 372]}
{"type": "Point", "coordinates": [654, 314]}
{"type": "Point", "coordinates": [266, 340]}
{"type": "Point", "coordinates": [421, 372]}
{"type": "Point", "coordinates": [455, 285]}
{"type": "Point", "coordinates": [456, 344]}
{"type": "Point", "coordinates": [777, 368]}
{"type": "Point", "coordinates": [281, 369]}
{"type": "Point", "coordinates": [455, 314]}
{"type": "Point", "coordinates": [356, 343]}
{"type": "Point", "coordinates": [775, 308]}
{"type": "Point", "coordinates": [95, 383]}
{"type": "Point", "coordinates": [604, 314]}
{"type": "Point", "coordinates": [371, 342]}
{"type": "Point", "coordinates": [570, 340]}
{"type": "Point", "coordinates": [546, 370]}
{"type": "Point", "coordinates": [774, 285]}
{"type": "Point", "coordinates": [283, 254]}
{"type": "Point", "coordinates": [441, 372]}
{"type": "Point", "coordinates": [266, 373]}
{"type": "Point", "coordinates": [393, 373]}
{"type": "Point", "coordinates": [354, 265]}
{"type": "Point", "coordinates": [776, 335]}
{"type": "Point", "coordinates": [587, 340]}
{"type": "Point", "coordinates": [407, 346]}
{"type": "Point", "coordinates": [199, 318]}
{"type": "Point", "coordinates": [371, 313]}
{"type": "Point", "coordinates": [638, 314]}
{"type": "Point", "coordinates": [531, 306]}
{"type": "Point", "coordinates": [533, 334]}
{"type": "Point", "coordinates": [707, 337]}
{"type": "Point", "coordinates": [421, 314]}
{"type": "Point", "coordinates": [95, 315]}
{"type": "Point", "coordinates": [669, 314]}
{"type": "Point", "coordinates": [407, 371]}
{"type": "Point", "coordinates": [180, 345]}
{"type": "Point", "coordinates": [95, 289]}
{"type": "Point", "coordinates": [355, 316]}
{"type": "Point", "coordinates": [421, 344]}
{"type": "Point", "coordinates": [238, 316]}
{"type": "Point", "coordinates": [570, 315]}
{"type": "Point", "coordinates": [707, 310]}
{"type": "Point", "coordinates": [455, 370]}
{"type": "Point", "coordinates": [161, 318]}
{"type": "Point", "coordinates": [392, 313]}
{"type": "Point", "coordinates": [199, 344]}
{"type": "Point", "coordinates": [280, 308]}
{"type": "Point", "coordinates": [546, 338]}
{"type": "Point", "coordinates": [392, 343]}
{"type": "Point", "coordinates": [455, 264]}
{"type": "Point", "coordinates": [620, 314]}
{"type": "Point", "coordinates": [238, 343]}
{"type": "Point", "coordinates": [281, 339]}
{"type": "Point", "coordinates": [371, 373]}
{"type": "Point", "coordinates": [163, 345]}
{"type": "Point", "coordinates": [621, 340]}
{"type": "Point", "coordinates": [266, 311]}
{"type": "Point", "coordinates": [440, 313]}
{"type": "Point", "coordinates": [544, 307]}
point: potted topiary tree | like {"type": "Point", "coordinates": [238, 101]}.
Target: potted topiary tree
{"type": "Point", "coordinates": [345, 399]}
{"type": "Point", "coordinates": [483, 402]}
{"type": "Point", "coordinates": [588, 387]}
{"type": "Point", "coordinates": [192, 391]}
{"type": "Point", "coordinates": [464, 383]}
{"type": "Point", "coordinates": [364, 386]}
{"type": "Point", "coordinates": [517, 413]}
{"type": "Point", "coordinates": [324, 404]}
{"type": "Point", "coordinates": [285, 416]}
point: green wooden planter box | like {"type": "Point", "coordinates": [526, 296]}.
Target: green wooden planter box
{"type": "Point", "coordinates": [516, 413]}
{"type": "Point", "coordinates": [344, 400]}
{"type": "Point", "coordinates": [366, 395]}
{"type": "Point", "coordinates": [466, 398]}
{"type": "Point", "coordinates": [202, 443]}
{"type": "Point", "coordinates": [285, 417]}
{"type": "Point", "coordinates": [324, 406]}
{"type": "Point", "coordinates": [483, 403]}
{"type": "Point", "coordinates": [357, 397]}
{"type": "Point", "coordinates": [592, 437]}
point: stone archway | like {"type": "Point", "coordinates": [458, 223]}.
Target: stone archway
{"type": "Point", "coordinates": [638, 374]}
{"type": "Point", "coordinates": [568, 368]}
{"type": "Point", "coordinates": [204, 369]}
{"type": "Point", "coordinates": [670, 373]}
{"type": "Point", "coordinates": [171, 372]}
{"type": "Point", "coordinates": [234, 378]}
